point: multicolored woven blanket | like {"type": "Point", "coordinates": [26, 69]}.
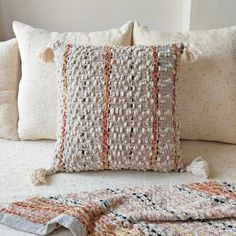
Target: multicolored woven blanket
{"type": "Point", "coordinates": [207, 208]}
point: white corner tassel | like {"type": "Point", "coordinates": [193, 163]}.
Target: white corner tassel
{"type": "Point", "coordinates": [46, 54]}
{"type": "Point", "coordinates": [39, 176]}
{"type": "Point", "coordinates": [191, 53]}
{"type": "Point", "coordinates": [199, 167]}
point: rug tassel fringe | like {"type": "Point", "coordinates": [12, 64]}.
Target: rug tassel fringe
{"type": "Point", "coordinates": [199, 167]}
{"type": "Point", "coordinates": [39, 176]}
{"type": "Point", "coordinates": [46, 54]}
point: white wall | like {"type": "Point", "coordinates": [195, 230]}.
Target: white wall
{"type": "Point", "coordinates": [1, 23]}
{"type": "Point", "coordinates": [208, 14]}
{"type": "Point", "coordinates": [90, 15]}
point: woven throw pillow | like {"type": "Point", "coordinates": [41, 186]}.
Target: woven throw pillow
{"type": "Point", "coordinates": [9, 80]}
{"type": "Point", "coordinates": [207, 89]}
{"type": "Point", "coordinates": [117, 108]}
{"type": "Point", "coordinates": [37, 101]}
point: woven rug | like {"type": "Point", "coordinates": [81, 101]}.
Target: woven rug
{"type": "Point", "coordinates": [207, 208]}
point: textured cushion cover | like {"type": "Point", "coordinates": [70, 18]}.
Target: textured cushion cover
{"type": "Point", "coordinates": [207, 88]}
{"type": "Point", "coordinates": [15, 169]}
{"type": "Point", "coordinates": [9, 80]}
{"type": "Point", "coordinates": [37, 93]}
{"type": "Point", "coordinates": [117, 108]}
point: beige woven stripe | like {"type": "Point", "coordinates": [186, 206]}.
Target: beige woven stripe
{"type": "Point", "coordinates": [105, 108]}
{"type": "Point", "coordinates": [65, 101]}
{"type": "Point", "coordinates": [174, 78]}
{"type": "Point", "coordinates": [152, 159]}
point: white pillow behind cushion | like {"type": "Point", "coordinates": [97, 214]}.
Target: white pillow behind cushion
{"type": "Point", "coordinates": [37, 101]}
{"type": "Point", "coordinates": [207, 87]}
{"type": "Point", "coordinates": [9, 81]}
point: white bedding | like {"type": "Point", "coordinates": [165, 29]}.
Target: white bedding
{"type": "Point", "coordinates": [18, 159]}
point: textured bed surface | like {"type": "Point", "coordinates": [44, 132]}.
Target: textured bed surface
{"type": "Point", "coordinates": [18, 159]}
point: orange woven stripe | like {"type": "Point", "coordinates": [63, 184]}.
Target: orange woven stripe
{"type": "Point", "coordinates": [105, 108]}
{"type": "Point", "coordinates": [152, 158]}
{"type": "Point", "coordinates": [211, 188]}
{"type": "Point", "coordinates": [47, 209]}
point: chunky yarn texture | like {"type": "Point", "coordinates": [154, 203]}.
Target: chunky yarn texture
{"type": "Point", "coordinates": [117, 108]}
{"type": "Point", "coordinates": [207, 208]}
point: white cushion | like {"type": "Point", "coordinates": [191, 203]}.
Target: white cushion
{"type": "Point", "coordinates": [9, 80]}
{"type": "Point", "coordinates": [207, 87]}
{"type": "Point", "coordinates": [37, 100]}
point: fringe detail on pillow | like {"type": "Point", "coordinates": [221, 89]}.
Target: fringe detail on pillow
{"type": "Point", "coordinates": [46, 54]}
{"type": "Point", "coordinates": [191, 53]}
{"type": "Point", "coordinates": [199, 167]}
{"type": "Point", "coordinates": [39, 176]}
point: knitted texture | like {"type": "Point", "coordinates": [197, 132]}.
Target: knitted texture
{"type": "Point", "coordinates": [207, 208]}
{"type": "Point", "coordinates": [117, 108]}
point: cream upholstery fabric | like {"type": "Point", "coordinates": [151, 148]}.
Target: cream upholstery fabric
{"type": "Point", "coordinates": [14, 171]}
{"type": "Point", "coordinates": [37, 92]}
{"type": "Point", "coordinates": [9, 80]}
{"type": "Point", "coordinates": [207, 88]}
